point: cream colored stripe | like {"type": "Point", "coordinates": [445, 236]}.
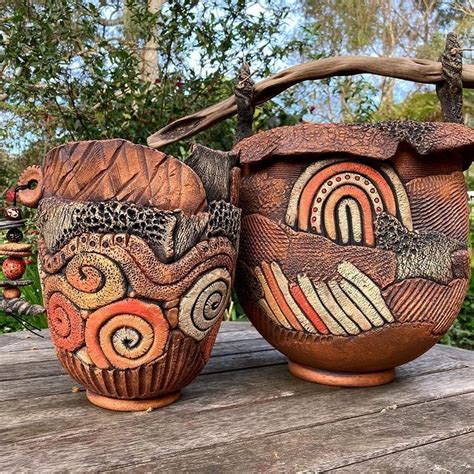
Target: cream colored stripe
{"type": "Point", "coordinates": [349, 307]}
{"type": "Point", "coordinates": [367, 287]}
{"type": "Point", "coordinates": [364, 304]}
{"type": "Point", "coordinates": [283, 285]}
{"type": "Point", "coordinates": [402, 197]}
{"type": "Point", "coordinates": [268, 310]}
{"type": "Point", "coordinates": [301, 182]}
{"type": "Point", "coordinates": [313, 298]}
{"type": "Point", "coordinates": [271, 300]}
{"type": "Point", "coordinates": [356, 220]}
{"type": "Point", "coordinates": [335, 310]}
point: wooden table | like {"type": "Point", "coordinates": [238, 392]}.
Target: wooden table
{"type": "Point", "coordinates": [244, 413]}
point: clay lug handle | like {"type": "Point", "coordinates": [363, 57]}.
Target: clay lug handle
{"type": "Point", "coordinates": [33, 176]}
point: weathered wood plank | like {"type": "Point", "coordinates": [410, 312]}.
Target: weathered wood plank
{"type": "Point", "coordinates": [451, 455]}
{"type": "Point", "coordinates": [212, 391]}
{"type": "Point", "coordinates": [458, 354]}
{"type": "Point", "coordinates": [230, 326]}
{"type": "Point", "coordinates": [227, 356]}
{"type": "Point", "coordinates": [224, 363]}
{"type": "Point", "coordinates": [25, 342]}
{"type": "Point", "coordinates": [329, 446]}
{"type": "Point", "coordinates": [79, 442]}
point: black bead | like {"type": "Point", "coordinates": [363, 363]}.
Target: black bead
{"type": "Point", "coordinates": [14, 235]}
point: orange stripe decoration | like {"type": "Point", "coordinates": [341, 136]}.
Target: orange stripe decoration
{"type": "Point", "coordinates": [327, 181]}
{"type": "Point", "coordinates": [279, 297]}
{"type": "Point", "coordinates": [271, 303]}
{"type": "Point", "coordinates": [308, 309]}
{"type": "Point", "coordinates": [315, 306]}
{"type": "Point", "coordinates": [368, 176]}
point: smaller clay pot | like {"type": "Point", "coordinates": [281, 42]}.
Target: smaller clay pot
{"type": "Point", "coordinates": [137, 254]}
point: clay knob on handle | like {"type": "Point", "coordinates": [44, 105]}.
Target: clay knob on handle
{"type": "Point", "coordinates": [32, 176]}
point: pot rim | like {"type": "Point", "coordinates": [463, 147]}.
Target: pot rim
{"type": "Point", "coordinates": [379, 141]}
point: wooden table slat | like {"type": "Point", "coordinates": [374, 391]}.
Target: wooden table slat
{"type": "Point", "coordinates": [244, 413]}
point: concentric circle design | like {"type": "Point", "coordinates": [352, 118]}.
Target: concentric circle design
{"type": "Point", "coordinates": [126, 334]}
{"type": "Point", "coordinates": [340, 199]}
{"type": "Point", "coordinates": [65, 323]}
{"type": "Point", "coordinates": [204, 303]}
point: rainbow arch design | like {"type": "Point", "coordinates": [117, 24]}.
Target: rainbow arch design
{"type": "Point", "coordinates": [345, 307]}
{"type": "Point", "coordinates": [340, 199]}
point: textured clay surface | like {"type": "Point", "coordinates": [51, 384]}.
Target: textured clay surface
{"type": "Point", "coordinates": [120, 170]}
{"type": "Point", "coordinates": [137, 254]}
{"type": "Point", "coordinates": [354, 252]}
{"type": "Point", "coordinates": [379, 141]}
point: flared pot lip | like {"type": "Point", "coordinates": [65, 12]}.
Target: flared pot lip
{"type": "Point", "coordinates": [378, 141]}
{"type": "Point", "coordinates": [118, 169]}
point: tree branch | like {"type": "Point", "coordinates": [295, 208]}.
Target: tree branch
{"type": "Point", "coordinates": [111, 21]}
{"type": "Point", "coordinates": [416, 70]}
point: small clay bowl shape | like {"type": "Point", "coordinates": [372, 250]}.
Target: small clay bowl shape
{"type": "Point", "coordinates": [354, 248]}
{"type": "Point", "coordinates": [137, 254]}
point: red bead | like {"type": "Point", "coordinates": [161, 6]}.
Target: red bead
{"type": "Point", "coordinates": [13, 268]}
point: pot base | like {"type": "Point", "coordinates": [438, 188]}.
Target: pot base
{"type": "Point", "coordinates": [341, 379]}
{"type": "Point", "coordinates": [118, 404]}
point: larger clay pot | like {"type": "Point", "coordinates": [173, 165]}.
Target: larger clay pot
{"type": "Point", "coordinates": [137, 254]}
{"type": "Point", "coordinates": [354, 256]}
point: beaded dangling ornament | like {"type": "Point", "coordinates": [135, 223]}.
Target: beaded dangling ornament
{"type": "Point", "coordinates": [13, 253]}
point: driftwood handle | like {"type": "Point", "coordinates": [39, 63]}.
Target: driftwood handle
{"type": "Point", "coordinates": [416, 70]}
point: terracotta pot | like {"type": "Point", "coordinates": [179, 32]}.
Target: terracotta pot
{"type": "Point", "coordinates": [137, 254]}
{"type": "Point", "coordinates": [354, 256]}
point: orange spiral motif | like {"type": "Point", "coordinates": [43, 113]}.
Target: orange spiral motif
{"type": "Point", "coordinates": [126, 334]}
{"type": "Point", "coordinates": [65, 323]}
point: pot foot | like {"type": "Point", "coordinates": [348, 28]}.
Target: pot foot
{"type": "Point", "coordinates": [118, 404]}
{"type": "Point", "coordinates": [341, 379]}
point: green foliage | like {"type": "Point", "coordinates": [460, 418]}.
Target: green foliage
{"type": "Point", "coordinates": [67, 76]}
{"type": "Point", "coordinates": [32, 294]}
{"type": "Point", "coordinates": [380, 28]}
{"type": "Point", "coordinates": [76, 70]}
{"type": "Point", "coordinates": [461, 333]}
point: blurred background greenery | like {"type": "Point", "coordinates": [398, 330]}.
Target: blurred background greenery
{"type": "Point", "coordinates": [96, 69]}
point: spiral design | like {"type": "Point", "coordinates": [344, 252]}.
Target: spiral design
{"type": "Point", "coordinates": [65, 323]}
{"type": "Point", "coordinates": [204, 303]}
{"type": "Point", "coordinates": [91, 280]}
{"type": "Point", "coordinates": [126, 334]}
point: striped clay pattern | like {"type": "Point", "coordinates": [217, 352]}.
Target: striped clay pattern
{"type": "Point", "coordinates": [420, 300]}
{"type": "Point", "coordinates": [439, 203]}
{"type": "Point", "coordinates": [344, 307]}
